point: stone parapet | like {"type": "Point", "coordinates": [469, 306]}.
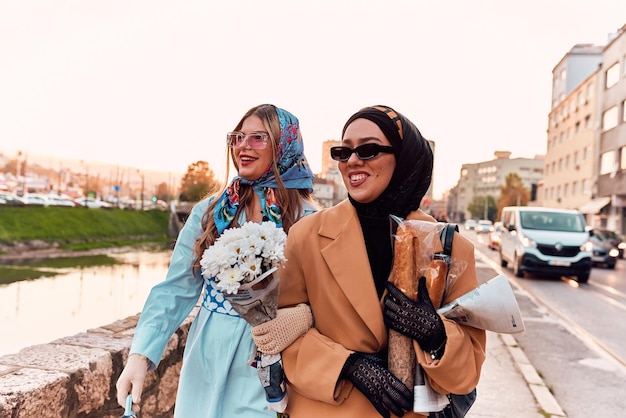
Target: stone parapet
{"type": "Point", "coordinates": [75, 376]}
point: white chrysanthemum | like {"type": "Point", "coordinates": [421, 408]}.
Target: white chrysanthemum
{"type": "Point", "coordinates": [274, 254]}
{"type": "Point", "coordinates": [251, 266]}
{"type": "Point", "coordinates": [212, 260]}
{"type": "Point", "coordinates": [228, 280]}
{"type": "Point", "coordinates": [252, 246]}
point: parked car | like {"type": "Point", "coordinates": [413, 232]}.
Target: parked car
{"type": "Point", "coordinates": [55, 200]}
{"type": "Point", "coordinates": [35, 199]}
{"type": "Point", "coordinates": [470, 224]}
{"type": "Point", "coordinates": [604, 252]}
{"type": "Point", "coordinates": [91, 203]}
{"type": "Point", "coordinates": [484, 226]}
{"type": "Point", "coordinates": [614, 238]}
{"type": "Point", "coordinates": [495, 236]}
{"type": "Point", "coordinates": [11, 199]}
{"type": "Point", "coordinates": [546, 241]}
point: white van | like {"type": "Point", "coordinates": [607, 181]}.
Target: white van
{"type": "Point", "coordinates": [546, 241]}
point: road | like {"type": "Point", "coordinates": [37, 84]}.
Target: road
{"type": "Point", "coordinates": [575, 334]}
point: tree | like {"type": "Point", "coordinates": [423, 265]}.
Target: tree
{"type": "Point", "coordinates": [483, 207]}
{"type": "Point", "coordinates": [513, 193]}
{"type": "Point", "coordinates": [163, 192]}
{"type": "Point", "coordinates": [198, 182]}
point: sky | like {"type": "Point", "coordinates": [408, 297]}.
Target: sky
{"type": "Point", "coordinates": [156, 84]}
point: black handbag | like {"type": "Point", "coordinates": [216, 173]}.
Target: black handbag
{"type": "Point", "coordinates": [459, 404]}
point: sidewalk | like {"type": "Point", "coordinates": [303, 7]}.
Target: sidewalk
{"type": "Point", "coordinates": [509, 385]}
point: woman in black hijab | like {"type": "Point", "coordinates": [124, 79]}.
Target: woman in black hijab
{"type": "Point", "coordinates": [339, 261]}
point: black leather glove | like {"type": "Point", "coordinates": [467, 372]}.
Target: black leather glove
{"type": "Point", "coordinates": [369, 374]}
{"type": "Point", "coordinates": [418, 319]}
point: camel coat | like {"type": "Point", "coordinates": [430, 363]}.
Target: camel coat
{"type": "Point", "coordinates": [327, 267]}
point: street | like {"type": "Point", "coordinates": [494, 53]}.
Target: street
{"type": "Point", "coordinates": [575, 334]}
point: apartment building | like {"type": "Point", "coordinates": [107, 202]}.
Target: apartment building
{"type": "Point", "coordinates": [610, 185]}
{"type": "Point", "coordinates": [569, 160]}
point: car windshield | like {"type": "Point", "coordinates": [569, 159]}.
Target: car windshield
{"type": "Point", "coordinates": [553, 221]}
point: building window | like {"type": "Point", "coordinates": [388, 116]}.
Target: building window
{"type": "Point", "coordinates": [585, 186]}
{"type": "Point", "coordinates": [589, 91]}
{"type": "Point", "coordinates": [574, 188]}
{"type": "Point", "coordinates": [580, 99]}
{"type": "Point", "coordinates": [588, 121]}
{"type": "Point", "coordinates": [609, 118]}
{"type": "Point", "coordinates": [622, 158]}
{"type": "Point", "coordinates": [612, 75]}
{"type": "Point", "coordinates": [624, 111]}
{"type": "Point", "coordinates": [607, 162]}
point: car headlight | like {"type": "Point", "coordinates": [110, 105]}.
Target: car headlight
{"type": "Point", "coordinates": [587, 246]}
{"type": "Point", "coordinates": [622, 245]}
{"type": "Point", "coordinates": [614, 252]}
{"type": "Point", "coordinates": [527, 242]}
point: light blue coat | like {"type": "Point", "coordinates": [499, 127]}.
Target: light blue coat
{"type": "Point", "coordinates": [216, 380]}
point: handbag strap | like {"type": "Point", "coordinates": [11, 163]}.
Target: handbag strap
{"type": "Point", "coordinates": [446, 235]}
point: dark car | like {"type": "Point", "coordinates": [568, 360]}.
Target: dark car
{"type": "Point", "coordinates": [614, 238]}
{"type": "Point", "coordinates": [604, 253]}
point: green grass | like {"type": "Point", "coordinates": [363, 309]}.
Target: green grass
{"type": "Point", "coordinates": [81, 228]}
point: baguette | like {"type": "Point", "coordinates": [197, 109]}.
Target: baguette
{"type": "Point", "coordinates": [436, 281]}
{"type": "Point", "coordinates": [401, 354]}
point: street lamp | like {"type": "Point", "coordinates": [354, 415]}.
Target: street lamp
{"type": "Point", "coordinates": [142, 187]}
{"type": "Point", "coordinates": [86, 181]}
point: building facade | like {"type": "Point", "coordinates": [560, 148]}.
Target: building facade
{"type": "Point", "coordinates": [485, 178]}
{"type": "Point", "coordinates": [569, 160]}
{"type": "Point", "coordinates": [611, 139]}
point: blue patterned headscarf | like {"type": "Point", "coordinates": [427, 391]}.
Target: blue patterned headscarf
{"type": "Point", "coordinates": [293, 170]}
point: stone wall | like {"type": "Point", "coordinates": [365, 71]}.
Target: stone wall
{"type": "Point", "coordinates": [74, 377]}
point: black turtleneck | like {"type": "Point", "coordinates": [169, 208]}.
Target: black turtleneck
{"type": "Point", "coordinates": [378, 239]}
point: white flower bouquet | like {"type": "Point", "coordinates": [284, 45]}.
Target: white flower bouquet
{"type": "Point", "coordinates": [244, 263]}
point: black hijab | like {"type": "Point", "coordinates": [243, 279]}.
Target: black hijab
{"type": "Point", "coordinates": [414, 164]}
{"type": "Point", "coordinates": [408, 185]}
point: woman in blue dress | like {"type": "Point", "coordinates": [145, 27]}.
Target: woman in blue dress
{"type": "Point", "coordinates": [274, 182]}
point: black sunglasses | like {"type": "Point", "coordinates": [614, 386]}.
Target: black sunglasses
{"type": "Point", "coordinates": [364, 152]}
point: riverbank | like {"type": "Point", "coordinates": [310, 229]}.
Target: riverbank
{"type": "Point", "coordinates": [33, 251]}
{"type": "Point", "coordinates": [41, 232]}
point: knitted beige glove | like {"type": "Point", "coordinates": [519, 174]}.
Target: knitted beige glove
{"type": "Point", "coordinates": [274, 336]}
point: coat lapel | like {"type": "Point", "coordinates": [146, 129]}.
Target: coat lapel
{"type": "Point", "coordinates": [346, 257]}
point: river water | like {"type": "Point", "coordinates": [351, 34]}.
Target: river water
{"type": "Point", "coordinates": [42, 310]}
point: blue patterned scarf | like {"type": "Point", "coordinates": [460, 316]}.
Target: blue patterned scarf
{"type": "Point", "coordinates": [293, 170]}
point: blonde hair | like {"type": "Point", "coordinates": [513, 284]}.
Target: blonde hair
{"type": "Point", "coordinates": [290, 201]}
